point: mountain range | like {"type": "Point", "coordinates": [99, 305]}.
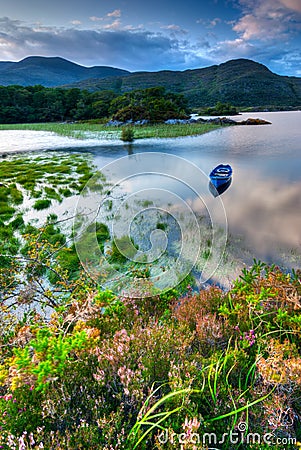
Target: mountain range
{"type": "Point", "coordinates": [51, 72]}
{"type": "Point", "coordinates": [241, 82]}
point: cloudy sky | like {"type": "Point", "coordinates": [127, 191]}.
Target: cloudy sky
{"type": "Point", "coordinates": [156, 34]}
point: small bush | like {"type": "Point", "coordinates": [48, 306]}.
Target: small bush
{"type": "Point", "coordinates": [127, 134]}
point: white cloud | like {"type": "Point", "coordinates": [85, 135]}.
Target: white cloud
{"type": "Point", "coordinates": [107, 24]}
{"type": "Point", "coordinates": [253, 27]}
{"type": "Point", "coordinates": [268, 20]}
{"type": "Point", "coordinates": [215, 22]}
{"type": "Point", "coordinates": [115, 25]}
{"type": "Point", "coordinates": [265, 32]}
{"type": "Point", "coordinates": [231, 49]}
{"type": "Point", "coordinates": [174, 28]}
{"type": "Point", "coordinates": [115, 13]}
{"type": "Point", "coordinates": [96, 19]}
{"type": "Point", "coordinates": [209, 23]}
{"type": "Point", "coordinates": [133, 47]}
{"type": "Point", "coordinates": [133, 27]}
{"type": "Point", "coordinates": [288, 61]}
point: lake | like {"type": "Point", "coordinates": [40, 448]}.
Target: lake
{"type": "Point", "coordinates": [260, 212]}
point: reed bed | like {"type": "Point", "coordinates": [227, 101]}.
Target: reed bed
{"type": "Point", "coordinates": [102, 131]}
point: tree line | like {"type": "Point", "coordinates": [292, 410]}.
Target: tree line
{"type": "Point", "coordinates": [19, 104]}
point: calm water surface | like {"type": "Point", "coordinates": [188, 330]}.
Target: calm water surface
{"type": "Point", "coordinates": [263, 204]}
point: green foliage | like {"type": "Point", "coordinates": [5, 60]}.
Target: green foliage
{"type": "Point", "coordinates": [238, 81]}
{"type": "Point", "coordinates": [39, 104]}
{"type": "Point", "coordinates": [16, 194]}
{"type": "Point", "coordinates": [6, 211]}
{"type": "Point", "coordinates": [52, 352]}
{"type": "Point", "coordinates": [17, 223]}
{"type": "Point", "coordinates": [82, 130]}
{"type": "Point", "coordinates": [87, 243]}
{"type": "Point", "coordinates": [161, 226]}
{"type": "Point", "coordinates": [127, 134]}
{"type": "Point", "coordinates": [107, 368]}
{"type": "Point", "coordinates": [36, 265]}
{"type": "Point", "coordinates": [225, 109]}
{"type": "Point", "coordinates": [152, 104]}
{"type": "Point", "coordinates": [51, 193]}
{"type": "Point", "coordinates": [102, 368]}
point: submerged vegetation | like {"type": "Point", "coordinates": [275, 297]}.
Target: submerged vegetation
{"type": "Point", "coordinates": [35, 181]}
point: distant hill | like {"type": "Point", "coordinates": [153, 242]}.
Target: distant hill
{"type": "Point", "coordinates": [51, 72]}
{"type": "Point", "coordinates": [241, 82]}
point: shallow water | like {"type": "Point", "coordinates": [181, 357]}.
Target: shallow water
{"type": "Point", "coordinates": [16, 141]}
{"type": "Point", "coordinates": [262, 205]}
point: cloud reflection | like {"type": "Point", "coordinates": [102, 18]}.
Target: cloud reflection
{"type": "Point", "coordinates": [266, 212]}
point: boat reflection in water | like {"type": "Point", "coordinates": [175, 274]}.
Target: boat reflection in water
{"type": "Point", "coordinates": [220, 179]}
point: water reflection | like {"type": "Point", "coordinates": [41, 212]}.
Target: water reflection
{"type": "Point", "coordinates": [129, 148]}
{"type": "Point", "coordinates": [156, 214]}
{"type": "Point", "coordinates": [266, 211]}
{"type": "Point", "coordinates": [262, 205]}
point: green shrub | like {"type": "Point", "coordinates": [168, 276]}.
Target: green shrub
{"type": "Point", "coordinates": [127, 134]}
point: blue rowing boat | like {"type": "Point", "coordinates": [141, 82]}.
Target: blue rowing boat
{"type": "Point", "coordinates": [220, 179]}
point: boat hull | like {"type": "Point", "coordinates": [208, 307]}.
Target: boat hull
{"type": "Point", "coordinates": [218, 190]}
{"type": "Point", "coordinates": [220, 179]}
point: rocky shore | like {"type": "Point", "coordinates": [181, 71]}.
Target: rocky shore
{"type": "Point", "coordinates": [227, 121]}
{"type": "Point", "coordinates": [215, 121]}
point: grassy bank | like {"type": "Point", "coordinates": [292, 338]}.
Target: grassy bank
{"type": "Point", "coordinates": [101, 131]}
